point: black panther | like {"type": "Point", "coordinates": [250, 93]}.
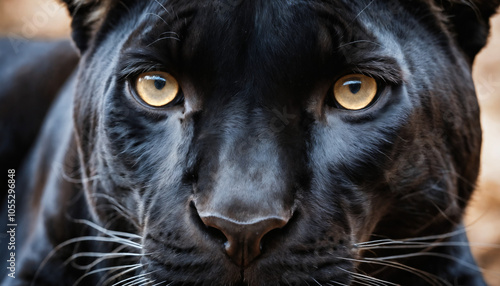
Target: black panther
{"type": "Point", "coordinates": [250, 142]}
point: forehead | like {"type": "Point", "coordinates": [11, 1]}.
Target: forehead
{"type": "Point", "coordinates": [276, 24]}
{"type": "Point", "coordinates": [264, 19]}
{"type": "Point", "coordinates": [243, 33]}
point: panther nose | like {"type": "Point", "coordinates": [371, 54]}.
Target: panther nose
{"type": "Point", "coordinates": [243, 238]}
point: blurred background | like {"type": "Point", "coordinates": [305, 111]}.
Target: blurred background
{"type": "Point", "coordinates": [28, 19]}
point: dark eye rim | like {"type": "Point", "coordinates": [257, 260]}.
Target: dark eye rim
{"type": "Point", "coordinates": [332, 102]}
{"type": "Point", "coordinates": [132, 89]}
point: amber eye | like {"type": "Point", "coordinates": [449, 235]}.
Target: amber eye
{"type": "Point", "coordinates": [355, 91]}
{"type": "Point", "coordinates": [157, 88]}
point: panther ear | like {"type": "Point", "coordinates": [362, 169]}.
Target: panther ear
{"type": "Point", "coordinates": [470, 21]}
{"type": "Point", "coordinates": [87, 17]}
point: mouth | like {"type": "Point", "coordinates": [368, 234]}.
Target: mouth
{"type": "Point", "coordinates": [334, 270]}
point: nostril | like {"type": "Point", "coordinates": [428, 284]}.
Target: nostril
{"type": "Point", "coordinates": [216, 234]}
{"type": "Point", "coordinates": [212, 232]}
{"type": "Point", "coordinates": [271, 239]}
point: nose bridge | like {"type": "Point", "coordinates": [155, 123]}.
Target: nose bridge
{"type": "Point", "coordinates": [250, 183]}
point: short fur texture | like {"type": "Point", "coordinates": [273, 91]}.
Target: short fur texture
{"type": "Point", "coordinates": [376, 196]}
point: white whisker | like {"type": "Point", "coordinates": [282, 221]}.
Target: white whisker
{"type": "Point", "coordinates": [363, 10]}
{"type": "Point", "coordinates": [99, 254]}
{"type": "Point", "coordinates": [111, 233]}
{"type": "Point", "coordinates": [82, 239]}
{"type": "Point", "coordinates": [412, 245]}
{"type": "Point", "coordinates": [421, 238]}
{"type": "Point", "coordinates": [120, 209]}
{"type": "Point", "coordinates": [367, 278]}
{"type": "Point", "coordinates": [359, 41]}
{"type": "Point", "coordinates": [441, 255]}
{"type": "Point", "coordinates": [156, 15]}
{"type": "Point", "coordinates": [336, 283]}
{"type": "Point", "coordinates": [316, 281]}
{"type": "Point", "coordinates": [428, 277]}
{"type": "Point", "coordinates": [164, 38]}
{"type": "Point", "coordinates": [137, 281]}
{"type": "Point", "coordinates": [105, 269]}
{"type": "Point", "coordinates": [363, 283]}
{"type": "Point", "coordinates": [129, 279]}
{"type": "Point", "coordinates": [110, 279]}
{"type": "Point", "coordinates": [163, 7]}
{"type": "Point", "coordinates": [97, 261]}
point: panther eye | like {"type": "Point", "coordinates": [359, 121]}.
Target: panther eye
{"type": "Point", "coordinates": [355, 91]}
{"type": "Point", "coordinates": [157, 88]}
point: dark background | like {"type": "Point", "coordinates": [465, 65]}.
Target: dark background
{"type": "Point", "coordinates": [48, 19]}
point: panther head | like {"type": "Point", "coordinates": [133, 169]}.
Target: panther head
{"type": "Point", "coordinates": [281, 142]}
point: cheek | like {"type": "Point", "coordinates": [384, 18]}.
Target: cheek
{"type": "Point", "coordinates": [140, 145]}
{"type": "Point", "coordinates": [348, 161]}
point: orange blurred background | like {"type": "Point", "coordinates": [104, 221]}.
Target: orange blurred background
{"type": "Point", "coordinates": [48, 19]}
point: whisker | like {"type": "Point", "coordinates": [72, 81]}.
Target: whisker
{"type": "Point", "coordinates": [359, 41]}
{"type": "Point", "coordinates": [82, 239]}
{"type": "Point", "coordinates": [138, 281]}
{"type": "Point", "coordinates": [413, 245]}
{"type": "Point", "coordinates": [363, 283]}
{"type": "Point", "coordinates": [105, 269]}
{"type": "Point", "coordinates": [99, 254]}
{"type": "Point", "coordinates": [97, 261]}
{"type": "Point", "coordinates": [367, 278]}
{"type": "Point", "coordinates": [120, 209]}
{"type": "Point", "coordinates": [111, 233]}
{"type": "Point", "coordinates": [104, 277]}
{"type": "Point", "coordinates": [156, 15]}
{"type": "Point", "coordinates": [60, 169]}
{"type": "Point", "coordinates": [164, 38]}
{"type": "Point", "coordinates": [171, 33]}
{"type": "Point", "coordinates": [112, 278]}
{"type": "Point", "coordinates": [440, 255]}
{"type": "Point", "coordinates": [163, 7]}
{"type": "Point", "coordinates": [68, 179]}
{"type": "Point", "coordinates": [336, 283]}
{"type": "Point", "coordinates": [427, 277]}
{"type": "Point", "coordinates": [421, 238]}
{"type": "Point", "coordinates": [124, 213]}
{"type": "Point", "coordinates": [131, 278]}
{"type": "Point", "coordinates": [158, 284]}
{"type": "Point", "coordinates": [361, 12]}
{"type": "Point", "coordinates": [316, 281]}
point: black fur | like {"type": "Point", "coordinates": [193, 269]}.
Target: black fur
{"type": "Point", "coordinates": [255, 131]}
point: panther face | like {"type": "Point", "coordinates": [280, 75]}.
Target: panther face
{"type": "Point", "coordinates": [280, 142]}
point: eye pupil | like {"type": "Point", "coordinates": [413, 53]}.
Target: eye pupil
{"type": "Point", "coordinates": [354, 87]}
{"type": "Point", "coordinates": [160, 83]}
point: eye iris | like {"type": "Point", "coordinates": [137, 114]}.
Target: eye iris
{"type": "Point", "coordinates": [355, 91]}
{"type": "Point", "coordinates": [157, 89]}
